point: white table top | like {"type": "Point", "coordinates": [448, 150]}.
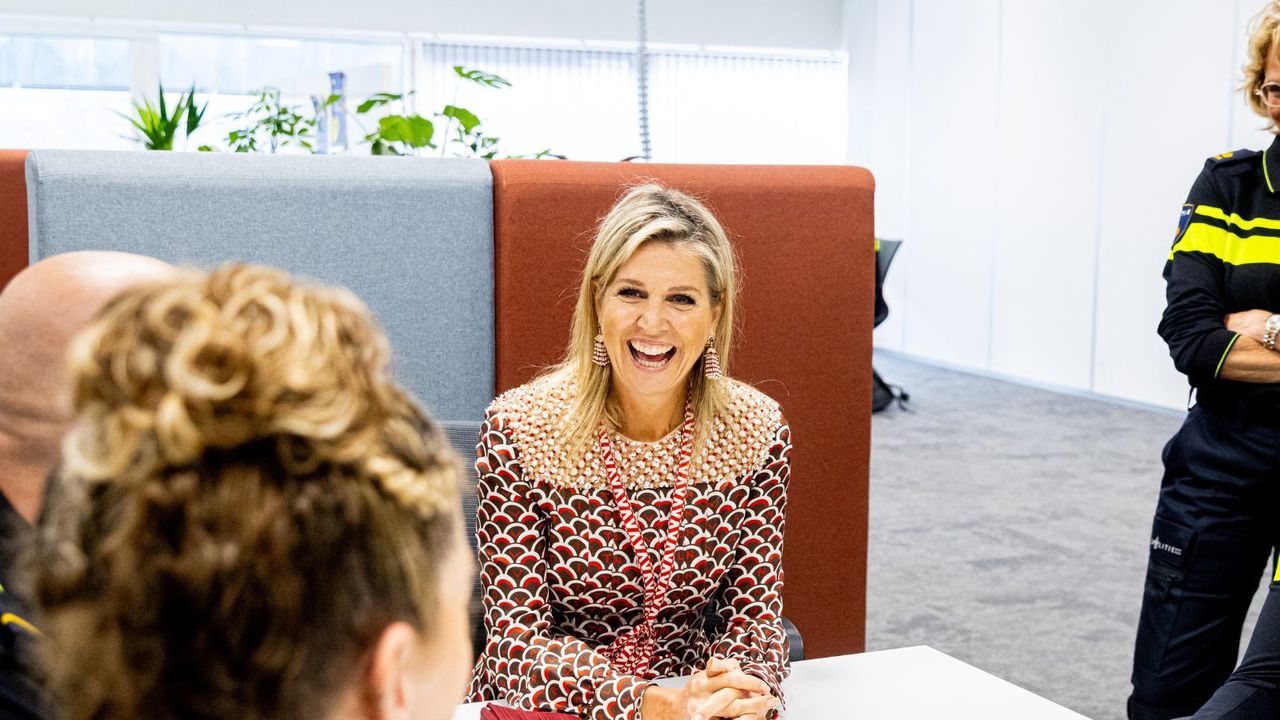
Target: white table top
{"type": "Point", "coordinates": [914, 683]}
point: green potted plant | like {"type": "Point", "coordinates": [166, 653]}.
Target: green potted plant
{"type": "Point", "coordinates": [156, 127]}
{"type": "Point", "coordinates": [277, 125]}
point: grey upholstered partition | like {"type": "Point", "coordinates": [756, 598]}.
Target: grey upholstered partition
{"type": "Point", "coordinates": [412, 237]}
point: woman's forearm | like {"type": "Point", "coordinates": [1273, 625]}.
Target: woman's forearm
{"type": "Point", "coordinates": [1248, 361]}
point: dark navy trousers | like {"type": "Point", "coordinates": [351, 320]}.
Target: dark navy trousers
{"type": "Point", "coordinates": [1215, 527]}
{"type": "Point", "coordinates": [1253, 692]}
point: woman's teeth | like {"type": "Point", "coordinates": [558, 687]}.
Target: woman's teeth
{"type": "Point", "coordinates": [651, 355]}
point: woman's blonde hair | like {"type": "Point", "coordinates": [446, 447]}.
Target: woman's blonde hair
{"type": "Point", "coordinates": [247, 500]}
{"type": "Point", "coordinates": [1264, 44]}
{"type": "Point", "coordinates": [647, 213]}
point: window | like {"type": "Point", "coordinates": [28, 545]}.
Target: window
{"type": "Point", "coordinates": [64, 63]}
{"type": "Point", "coordinates": [225, 69]}
{"type": "Point", "coordinates": [237, 65]}
{"type": "Point", "coordinates": [63, 91]}
{"type": "Point", "coordinates": [573, 99]}
{"type": "Point", "coordinates": [576, 102]}
{"type": "Point", "coordinates": [731, 108]}
{"type": "Point", "coordinates": [703, 107]}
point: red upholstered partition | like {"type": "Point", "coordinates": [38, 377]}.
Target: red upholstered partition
{"type": "Point", "coordinates": [14, 252]}
{"type": "Point", "coordinates": [804, 235]}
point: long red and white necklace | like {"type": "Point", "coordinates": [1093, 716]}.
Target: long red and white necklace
{"type": "Point", "coordinates": [633, 651]}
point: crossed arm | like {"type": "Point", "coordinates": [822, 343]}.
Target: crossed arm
{"type": "Point", "coordinates": [1248, 360]}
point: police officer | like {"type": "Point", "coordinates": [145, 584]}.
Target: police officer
{"type": "Point", "coordinates": [1215, 524]}
{"type": "Point", "coordinates": [20, 694]}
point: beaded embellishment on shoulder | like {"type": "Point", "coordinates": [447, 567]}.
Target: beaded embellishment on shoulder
{"type": "Point", "coordinates": [537, 415]}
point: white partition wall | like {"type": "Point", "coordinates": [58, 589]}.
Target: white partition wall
{"type": "Point", "coordinates": [1049, 147]}
{"type": "Point", "coordinates": [888, 149]}
{"type": "Point", "coordinates": [1141, 200]}
{"type": "Point", "coordinates": [953, 96]}
{"type": "Point", "coordinates": [1046, 163]}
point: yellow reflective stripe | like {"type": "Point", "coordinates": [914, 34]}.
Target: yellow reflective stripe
{"type": "Point", "coordinates": [1277, 577]}
{"type": "Point", "coordinates": [1265, 172]}
{"type": "Point", "coordinates": [1227, 246]}
{"type": "Point", "coordinates": [1234, 219]}
{"type": "Point", "coordinates": [10, 618]}
{"type": "Point", "coordinates": [1218, 370]}
{"type": "Point", "coordinates": [877, 244]}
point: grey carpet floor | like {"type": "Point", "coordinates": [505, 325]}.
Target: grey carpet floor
{"type": "Point", "coordinates": [1009, 528]}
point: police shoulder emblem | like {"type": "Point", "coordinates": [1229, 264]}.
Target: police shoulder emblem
{"type": "Point", "coordinates": [1184, 219]}
{"type": "Point", "coordinates": [1231, 157]}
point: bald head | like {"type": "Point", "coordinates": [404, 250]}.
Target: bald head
{"type": "Point", "coordinates": [41, 310]}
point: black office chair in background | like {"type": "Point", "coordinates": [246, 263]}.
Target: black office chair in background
{"type": "Point", "coordinates": [463, 437]}
{"type": "Point", "coordinates": [882, 393]}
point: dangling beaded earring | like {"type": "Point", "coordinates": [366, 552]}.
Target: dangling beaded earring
{"type": "Point", "coordinates": [599, 355]}
{"type": "Point", "coordinates": [711, 361]}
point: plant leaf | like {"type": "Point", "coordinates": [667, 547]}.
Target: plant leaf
{"type": "Point", "coordinates": [413, 130]}
{"type": "Point", "coordinates": [465, 117]}
{"type": "Point", "coordinates": [480, 77]}
{"type": "Point", "coordinates": [377, 100]}
{"type": "Point", "coordinates": [194, 116]}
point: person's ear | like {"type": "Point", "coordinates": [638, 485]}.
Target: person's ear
{"type": "Point", "coordinates": [390, 673]}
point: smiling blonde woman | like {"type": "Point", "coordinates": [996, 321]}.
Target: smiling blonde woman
{"type": "Point", "coordinates": [631, 499]}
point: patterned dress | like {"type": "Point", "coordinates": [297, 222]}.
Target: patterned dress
{"type": "Point", "coordinates": [559, 577]}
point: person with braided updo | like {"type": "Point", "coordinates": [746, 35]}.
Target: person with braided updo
{"type": "Point", "coordinates": [630, 501]}
{"type": "Point", "coordinates": [252, 520]}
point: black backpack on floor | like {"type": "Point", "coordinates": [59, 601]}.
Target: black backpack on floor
{"type": "Point", "coordinates": [883, 394]}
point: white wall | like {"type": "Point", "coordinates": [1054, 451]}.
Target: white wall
{"type": "Point", "coordinates": [808, 24]}
{"type": "Point", "coordinates": [951, 166]}
{"type": "Point", "coordinates": [890, 122]}
{"type": "Point", "coordinates": [1035, 169]}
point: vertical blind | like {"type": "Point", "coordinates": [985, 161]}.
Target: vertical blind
{"type": "Point", "coordinates": [737, 108]}
{"type": "Point", "coordinates": [703, 107]}
{"type": "Point", "coordinates": [575, 102]}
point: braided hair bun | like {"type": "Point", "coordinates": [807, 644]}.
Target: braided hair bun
{"type": "Point", "coordinates": [248, 500]}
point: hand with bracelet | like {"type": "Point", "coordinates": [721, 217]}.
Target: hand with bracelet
{"type": "Point", "coordinates": [1260, 325]}
{"type": "Point", "coordinates": [722, 690]}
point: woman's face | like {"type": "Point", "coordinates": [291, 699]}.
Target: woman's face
{"type": "Point", "coordinates": [656, 317]}
{"type": "Point", "coordinates": [1272, 75]}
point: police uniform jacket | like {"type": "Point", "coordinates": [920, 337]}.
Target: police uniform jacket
{"type": "Point", "coordinates": [1225, 259]}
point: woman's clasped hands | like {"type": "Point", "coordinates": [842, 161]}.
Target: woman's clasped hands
{"type": "Point", "coordinates": [722, 690]}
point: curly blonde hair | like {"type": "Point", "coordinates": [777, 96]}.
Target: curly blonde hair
{"type": "Point", "coordinates": [247, 501]}
{"type": "Point", "coordinates": [1264, 44]}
